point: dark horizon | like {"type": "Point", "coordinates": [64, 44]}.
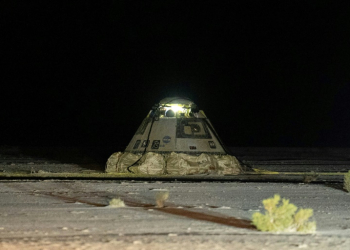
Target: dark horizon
{"type": "Point", "coordinates": [86, 74]}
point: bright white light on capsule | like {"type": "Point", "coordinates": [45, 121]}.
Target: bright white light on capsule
{"type": "Point", "coordinates": [177, 108]}
{"type": "Point", "coordinates": [173, 110]}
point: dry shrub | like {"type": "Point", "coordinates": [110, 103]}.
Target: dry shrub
{"type": "Point", "coordinates": [161, 197]}
{"type": "Point", "coordinates": [283, 217]}
{"type": "Point", "coordinates": [116, 202]}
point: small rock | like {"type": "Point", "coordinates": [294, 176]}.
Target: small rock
{"type": "Point", "coordinates": [224, 207]}
{"type": "Point", "coordinates": [303, 246]}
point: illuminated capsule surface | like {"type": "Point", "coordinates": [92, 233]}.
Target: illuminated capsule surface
{"type": "Point", "coordinates": [176, 125]}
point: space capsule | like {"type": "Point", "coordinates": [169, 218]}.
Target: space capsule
{"type": "Point", "coordinates": [176, 125]}
{"type": "Point", "coordinates": [175, 138]}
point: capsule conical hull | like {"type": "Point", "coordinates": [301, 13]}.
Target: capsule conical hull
{"type": "Point", "coordinates": [176, 134]}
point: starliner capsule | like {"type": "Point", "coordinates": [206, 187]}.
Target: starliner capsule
{"type": "Point", "coordinates": [175, 138]}
{"type": "Point", "coordinates": [176, 125]}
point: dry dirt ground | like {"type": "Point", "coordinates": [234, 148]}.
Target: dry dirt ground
{"type": "Point", "coordinates": [55, 214]}
{"type": "Point", "coordinates": [48, 213]}
{"type": "Point", "coordinates": [244, 242]}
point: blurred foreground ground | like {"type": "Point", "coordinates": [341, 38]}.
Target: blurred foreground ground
{"type": "Point", "coordinates": [51, 213]}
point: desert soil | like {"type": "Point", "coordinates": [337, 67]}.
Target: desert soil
{"type": "Point", "coordinates": [53, 214]}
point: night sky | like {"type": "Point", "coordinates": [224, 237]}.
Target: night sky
{"type": "Point", "coordinates": [86, 73]}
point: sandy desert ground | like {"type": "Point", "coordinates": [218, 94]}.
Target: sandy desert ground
{"type": "Point", "coordinates": [53, 214]}
{"type": "Point", "coordinates": [49, 213]}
